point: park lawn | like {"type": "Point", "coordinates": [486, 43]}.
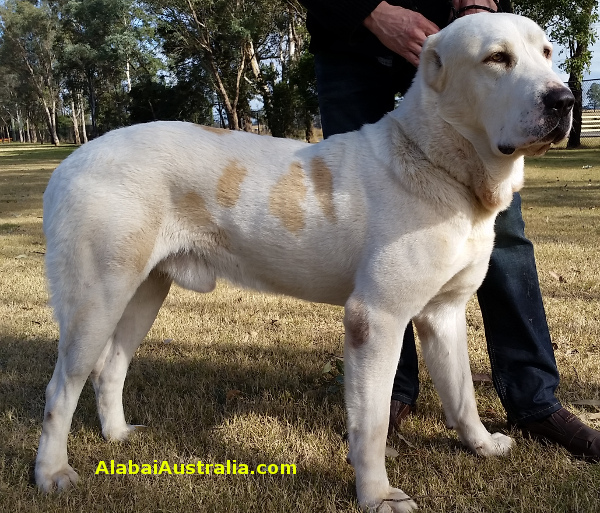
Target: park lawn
{"type": "Point", "coordinates": [237, 375]}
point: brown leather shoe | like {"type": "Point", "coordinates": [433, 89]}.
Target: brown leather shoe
{"type": "Point", "coordinates": [564, 428]}
{"type": "Point", "coordinates": [398, 412]}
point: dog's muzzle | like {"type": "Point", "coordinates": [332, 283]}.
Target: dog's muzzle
{"type": "Point", "coordinates": [558, 105]}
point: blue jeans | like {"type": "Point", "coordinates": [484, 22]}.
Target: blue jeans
{"type": "Point", "coordinates": [358, 89]}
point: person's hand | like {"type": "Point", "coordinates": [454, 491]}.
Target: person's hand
{"type": "Point", "coordinates": [403, 31]}
{"type": "Point", "coordinates": [459, 4]}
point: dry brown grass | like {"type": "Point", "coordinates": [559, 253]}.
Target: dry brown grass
{"type": "Point", "coordinates": [238, 375]}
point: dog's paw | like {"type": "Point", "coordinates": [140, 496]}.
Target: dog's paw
{"type": "Point", "coordinates": [396, 501]}
{"type": "Point", "coordinates": [58, 480]}
{"type": "Point", "coordinates": [503, 444]}
{"type": "Point", "coordinates": [122, 434]}
{"type": "Point", "coordinates": [497, 445]}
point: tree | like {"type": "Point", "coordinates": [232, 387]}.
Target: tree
{"type": "Point", "coordinates": [568, 23]}
{"type": "Point", "coordinates": [99, 42]}
{"type": "Point", "coordinates": [293, 102]}
{"type": "Point", "coordinates": [155, 99]}
{"type": "Point", "coordinates": [229, 39]}
{"type": "Point", "coordinates": [213, 35]}
{"type": "Point", "coordinates": [27, 49]}
{"type": "Point", "coordinates": [286, 79]}
{"type": "Point", "coordinates": [594, 94]}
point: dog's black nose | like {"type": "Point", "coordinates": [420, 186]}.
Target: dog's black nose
{"type": "Point", "coordinates": [561, 100]}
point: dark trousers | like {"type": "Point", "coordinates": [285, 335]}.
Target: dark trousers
{"type": "Point", "coordinates": [355, 90]}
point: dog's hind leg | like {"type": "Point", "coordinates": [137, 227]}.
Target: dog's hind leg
{"type": "Point", "coordinates": [371, 352]}
{"type": "Point", "coordinates": [108, 375]}
{"type": "Point", "coordinates": [443, 334]}
{"type": "Point", "coordinates": [87, 315]}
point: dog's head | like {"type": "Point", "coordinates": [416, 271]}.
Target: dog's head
{"type": "Point", "coordinates": [492, 78]}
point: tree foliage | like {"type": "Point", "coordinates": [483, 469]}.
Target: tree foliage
{"type": "Point", "coordinates": [593, 94]}
{"type": "Point", "coordinates": [108, 63]}
{"type": "Point", "coordinates": [27, 50]}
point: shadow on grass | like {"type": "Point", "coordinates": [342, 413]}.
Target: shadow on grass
{"type": "Point", "coordinates": [181, 393]}
{"type": "Point", "coordinates": [165, 374]}
{"type": "Point", "coordinates": [183, 397]}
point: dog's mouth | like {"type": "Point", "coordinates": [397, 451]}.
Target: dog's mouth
{"type": "Point", "coordinates": [539, 143]}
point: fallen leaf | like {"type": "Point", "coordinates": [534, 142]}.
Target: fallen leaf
{"type": "Point", "coordinates": [557, 277]}
{"type": "Point", "coordinates": [482, 378]}
{"type": "Point", "coordinates": [390, 452]}
{"type": "Point", "coordinates": [405, 440]}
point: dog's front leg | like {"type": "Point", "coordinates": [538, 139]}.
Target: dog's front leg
{"type": "Point", "coordinates": [443, 334]}
{"type": "Point", "coordinates": [371, 352]}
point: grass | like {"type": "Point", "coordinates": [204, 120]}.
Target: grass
{"type": "Point", "coordinates": [239, 375]}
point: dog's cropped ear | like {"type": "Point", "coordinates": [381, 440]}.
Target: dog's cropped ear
{"type": "Point", "coordinates": [432, 66]}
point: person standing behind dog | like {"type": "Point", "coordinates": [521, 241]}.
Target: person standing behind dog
{"type": "Point", "coordinates": [366, 52]}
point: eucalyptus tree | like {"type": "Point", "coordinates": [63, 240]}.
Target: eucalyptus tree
{"type": "Point", "coordinates": [27, 49]}
{"type": "Point", "coordinates": [100, 48]}
{"type": "Point", "coordinates": [230, 40]}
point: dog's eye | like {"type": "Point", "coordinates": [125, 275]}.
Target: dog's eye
{"type": "Point", "coordinates": [548, 53]}
{"type": "Point", "coordinates": [499, 58]}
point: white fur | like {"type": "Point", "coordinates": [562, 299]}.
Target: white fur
{"type": "Point", "coordinates": [405, 232]}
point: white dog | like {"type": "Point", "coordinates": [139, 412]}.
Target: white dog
{"type": "Point", "coordinates": [394, 221]}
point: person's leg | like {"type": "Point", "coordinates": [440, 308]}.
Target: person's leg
{"type": "Point", "coordinates": [521, 354]}
{"type": "Point", "coordinates": [353, 91]}
{"type": "Point", "coordinates": [406, 382]}
{"type": "Point", "coordinates": [523, 366]}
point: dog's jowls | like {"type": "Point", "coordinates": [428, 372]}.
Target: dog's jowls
{"type": "Point", "coordinates": [394, 221]}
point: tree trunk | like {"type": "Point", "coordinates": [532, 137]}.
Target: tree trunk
{"type": "Point", "coordinates": [575, 76]}
{"type": "Point", "coordinates": [50, 111]}
{"type": "Point", "coordinates": [82, 111]}
{"type": "Point", "coordinates": [229, 106]}
{"type": "Point", "coordinates": [293, 38]}
{"type": "Point", "coordinates": [266, 92]}
{"type": "Point", "coordinates": [575, 134]}
{"type": "Point", "coordinates": [75, 122]}
{"type": "Point", "coordinates": [92, 102]}
{"type": "Point", "coordinates": [19, 127]}
{"type": "Point", "coordinates": [128, 76]}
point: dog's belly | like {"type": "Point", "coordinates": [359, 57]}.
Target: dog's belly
{"type": "Point", "coordinates": [319, 271]}
{"type": "Point", "coordinates": [313, 279]}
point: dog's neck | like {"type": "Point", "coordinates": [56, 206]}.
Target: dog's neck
{"type": "Point", "coordinates": [491, 179]}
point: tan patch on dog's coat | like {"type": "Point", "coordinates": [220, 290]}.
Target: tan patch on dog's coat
{"type": "Point", "coordinates": [229, 184]}
{"type": "Point", "coordinates": [322, 180]}
{"type": "Point", "coordinates": [135, 248]}
{"type": "Point", "coordinates": [142, 247]}
{"type": "Point", "coordinates": [356, 322]}
{"type": "Point", "coordinates": [191, 209]}
{"type": "Point", "coordinates": [287, 195]}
